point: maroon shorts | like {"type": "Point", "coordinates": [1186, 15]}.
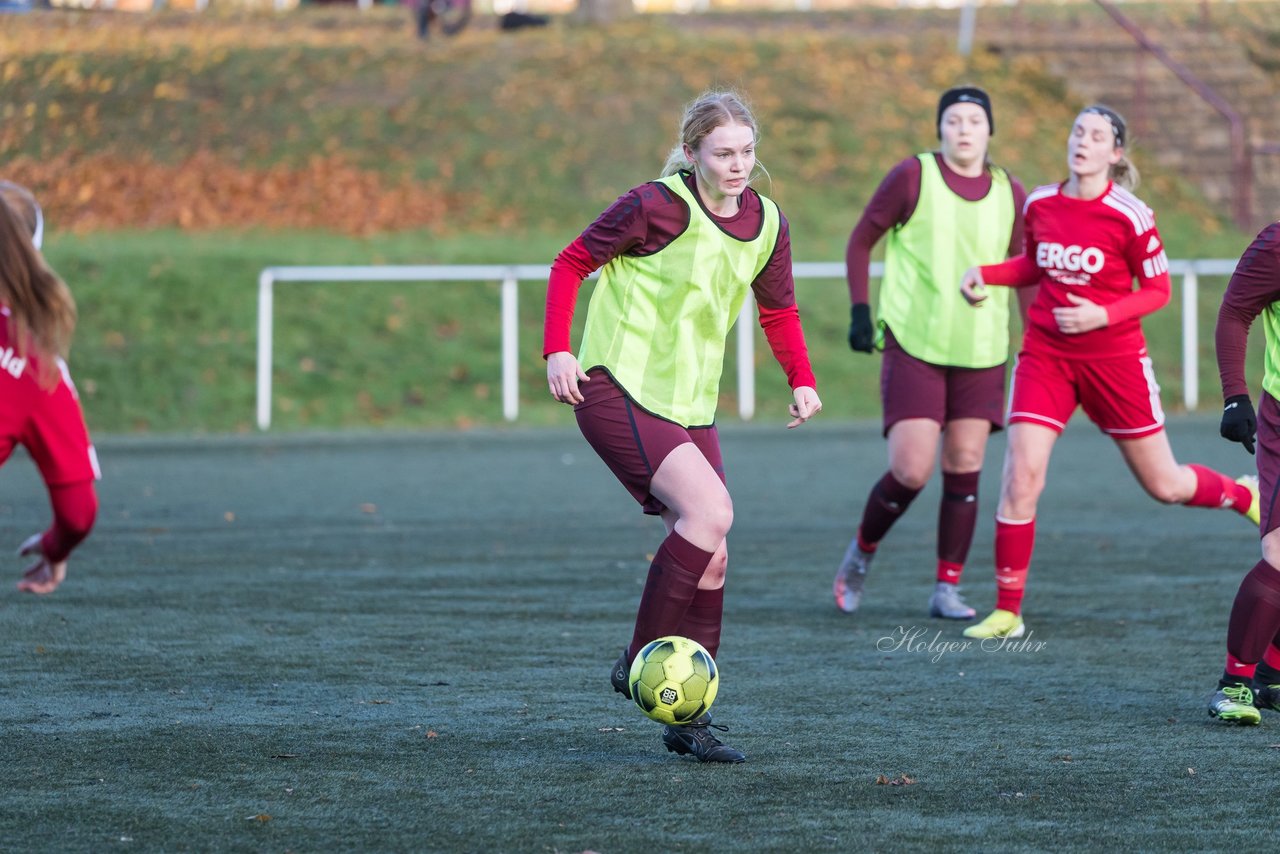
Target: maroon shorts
{"type": "Point", "coordinates": [1118, 394]}
{"type": "Point", "coordinates": [911, 388]}
{"type": "Point", "coordinates": [633, 442]}
{"type": "Point", "coordinates": [1268, 461]}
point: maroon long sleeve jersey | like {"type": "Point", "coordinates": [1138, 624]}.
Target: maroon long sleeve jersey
{"type": "Point", "coordinates": [1254, 285]}
{"type": "Point", "coordinates": [893, 203]}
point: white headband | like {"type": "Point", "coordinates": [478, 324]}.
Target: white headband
{"type": "Point", "coordinates": [38, 237]}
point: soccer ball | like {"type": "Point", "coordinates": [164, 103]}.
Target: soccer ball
{"type": "Point", "coordinates": [673, 680]}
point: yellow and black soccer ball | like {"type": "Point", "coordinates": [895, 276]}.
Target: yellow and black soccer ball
{"type": "Point", "coordinates": [674, 680]}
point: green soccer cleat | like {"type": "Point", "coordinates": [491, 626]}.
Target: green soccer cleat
{"type": "Point", "coordinates": [1250, 482]}
{"type": "Point", "coordinates": [999, 624]}
{"type": "Point", "coordinates": [1234, 704]}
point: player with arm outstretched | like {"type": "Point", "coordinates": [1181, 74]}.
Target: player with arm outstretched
{"type": "Point", "coordinates": [1088, 239]}
{"type": "Point", "coordinates": [678, 256]}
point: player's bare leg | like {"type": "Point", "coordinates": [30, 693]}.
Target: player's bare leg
{"type": "Point", "coordinates": [1152, 462]}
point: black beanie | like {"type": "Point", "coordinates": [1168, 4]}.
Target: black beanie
{"type": "Point", "coordinates": [965, 95]}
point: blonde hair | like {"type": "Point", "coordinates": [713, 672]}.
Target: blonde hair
{"type": "Point", "coordinates": [25, 204]}
{"type": "Point", "coordinates": [704, 114]}
{"type": "Point", "coordinates": [42, 313]}
{"type": "Point", "coordinates": [1124, 174]}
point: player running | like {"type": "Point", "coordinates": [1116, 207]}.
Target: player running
{"type": "Point", "coordinates": [1088, 238]}
{"type": "Point", "coordinates": [1251, 678]}
{"type": "Point", "coordinates": [679, 254]}
{"type": "Point", "coordinates": [942, 376]}
{"type": "Point", "coordinates": [39, 408]}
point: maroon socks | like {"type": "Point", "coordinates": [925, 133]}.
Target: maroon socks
{"type": "Point", "coordinates": [670, 589]}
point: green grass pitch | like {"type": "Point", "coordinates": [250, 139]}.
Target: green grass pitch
{"type": "Point", "coordinates": [397, 642]}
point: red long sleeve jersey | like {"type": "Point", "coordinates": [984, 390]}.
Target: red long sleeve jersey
{"type": "Point", "coordinates": [1093, 248]}
{"type": "Point", "coordinates": [645, 220]}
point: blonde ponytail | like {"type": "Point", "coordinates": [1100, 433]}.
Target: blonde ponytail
{"type": "Point", "coordinates": [676, 162]}
{"type": "Point", "coordinates": [1125, 174]}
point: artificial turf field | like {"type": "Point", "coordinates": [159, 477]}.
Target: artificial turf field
{"type": "Point", "coordinates": [402, 643]}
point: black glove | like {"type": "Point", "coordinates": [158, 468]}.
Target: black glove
{"type": "Point", "coordinates": [1239, 423]}
{"type": "Point", "coordinates": [861, 336]}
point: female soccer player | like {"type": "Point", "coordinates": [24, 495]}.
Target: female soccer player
{"type": "Point", "coordinates": [1251, 678]}
{"type": "Point", "coordinates": [1088, 238]}
{"type": "Point", "coordinates": [943, 370]}
{"type": "Point", "coordinates": [679, 254]}
{"type": "Point", "coordinates": [38, 404]}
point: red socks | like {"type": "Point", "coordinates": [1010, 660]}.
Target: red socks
{"type": "Point", "coordinates": [1237, 670]}
{"type": "Point", "coordinates": [1216, 490]}
{"type": "Point", "coordinates": [949, 572]}
{"type": "Point", "coordinates": [1014, 544]}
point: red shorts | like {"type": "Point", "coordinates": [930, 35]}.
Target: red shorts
{"type": "Point", "coordinates": [632, 442]}
{"type": "Point", "coordinates": [911, 388]}
{"type": "Point", "coordinates": [1268, 461]}
{"type": "Point", "coordinates": [48, 423]}
{"type": "Point", "coordinates": [1119, 394]}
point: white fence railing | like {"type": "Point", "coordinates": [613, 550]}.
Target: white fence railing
{"type": "Point", "coordinates": [511, 275]}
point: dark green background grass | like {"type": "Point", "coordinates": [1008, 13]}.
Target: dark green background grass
{"type": "Point", "coordinates": [276, 627]}
{"type": "Point", "coordinates": [527, 137]}
{"type": "Point", "coordinates": [167, 339]}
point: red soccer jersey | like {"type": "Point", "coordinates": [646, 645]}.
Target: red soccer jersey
{"type": "Point", "coordinates": [48, 422]}
{"type": "Point", "coordinates": [1093, 248]}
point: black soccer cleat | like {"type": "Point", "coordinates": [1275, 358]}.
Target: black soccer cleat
{"type": "Point", "coordinates": [696, 739]}
{"type": "Point", "coordinates": [618, 676]}
{"type": "Point", "coordinates": [1267, 697]}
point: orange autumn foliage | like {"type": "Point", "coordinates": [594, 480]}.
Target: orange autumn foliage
{"type": "Point", "coordinates": [95, 192]}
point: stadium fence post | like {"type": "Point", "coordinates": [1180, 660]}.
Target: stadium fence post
{"type": "Point", "coordinates": [265, 321]}
{"type": "Point", "coordinates": [510, 346]}
{"type": "Point", "coordinates": [1190, 347]}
